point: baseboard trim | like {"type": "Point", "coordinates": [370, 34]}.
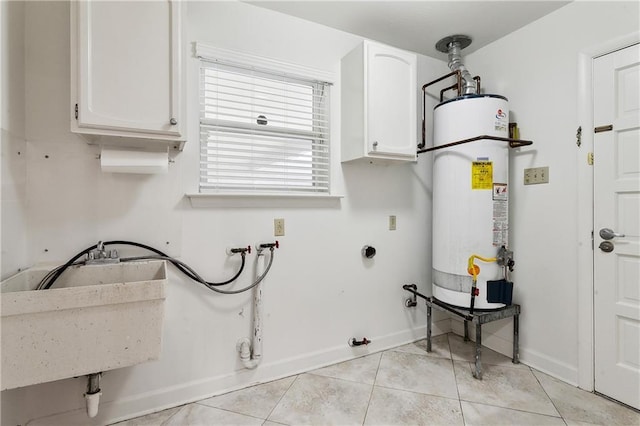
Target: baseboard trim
{"type": "Point", "coordinates": [534, 359]}
{"type": "Point", "coordinates": [160, 399]}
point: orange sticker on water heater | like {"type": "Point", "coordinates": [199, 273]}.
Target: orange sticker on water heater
{"type": "Point", "coordinates": [482, 175]}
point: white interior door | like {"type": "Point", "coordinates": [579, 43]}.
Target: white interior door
{"type": "Point", "coordinates": [616, 87]}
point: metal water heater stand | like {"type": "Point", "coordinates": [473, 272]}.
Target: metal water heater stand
{"type": "Point", "coordinates": [477, 318]}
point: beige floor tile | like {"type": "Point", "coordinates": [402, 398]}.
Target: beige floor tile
{"type": "Point", "coordinates": [201, 415]}
{"type": "Point", "coordinates": [576, 405]}
{"type": "Point", "coordinates": [488, 415]}
{"type": "Point", "coordinates": [318, 400]}
{"type": "Point", "coordinates": [439, 347]}
{"type": "Point", "coordinates": [396, 407]}
{"type": "Point", "coordinates": [154, 419]}
{"type": "Point", "coordinates": [417, 373]}
{"type": "Point", "coordinates": [361, 370]}
{"type": "Point", "coordinates": [256, 401]}
{"type": "Point", "coordinates": [466, 351]}
{"type": "Point", "coordinates": [406, 385]}
{"type": "Point", "coordinates": [503, 387]}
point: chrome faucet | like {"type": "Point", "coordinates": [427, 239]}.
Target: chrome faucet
{"type": "Point", "coordinates": [100, 255]}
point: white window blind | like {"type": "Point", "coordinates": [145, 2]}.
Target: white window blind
{"type": "Point", "coordinates": [262, 131]}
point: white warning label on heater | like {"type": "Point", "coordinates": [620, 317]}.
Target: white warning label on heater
{"type": "Point", "coordinates": [500, 192]}
{"type": "Point", "coordinates": [501, 122]}
{"type": "Point", "coordinates": [500, 215]}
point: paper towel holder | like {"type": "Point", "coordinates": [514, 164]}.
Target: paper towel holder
{"type": "Point", "coordinates": [133, 161]}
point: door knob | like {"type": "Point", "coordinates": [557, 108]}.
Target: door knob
{"type": "Point", "coordinates": [606, 246]}
{"type": "Point", "coordinates": [607, 234]}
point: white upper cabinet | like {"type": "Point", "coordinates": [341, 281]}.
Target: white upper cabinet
{"type": "Point", "coordinates": [379, 111]}
{"type": "Point", "coordinates": [126, 62]}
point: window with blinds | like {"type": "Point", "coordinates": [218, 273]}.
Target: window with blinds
{"type": "Point", "coordinates": [262, 131]}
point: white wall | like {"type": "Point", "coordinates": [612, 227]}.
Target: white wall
{"type": "Point", "coordinates": [13, 150]}
{"type": "Point", "coordinates": [536, 67]}
{"type": "Point", "coordinates": [319, 293]}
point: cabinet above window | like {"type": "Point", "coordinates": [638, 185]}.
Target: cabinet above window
{"type": "Point", "coordinates": [127, 72]}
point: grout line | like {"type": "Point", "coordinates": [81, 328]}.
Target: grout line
{"type": "Point", "coordinates": [170, 417]}
{"type": "Point", "coordinates": [373, 388]}
{"type": "Point", "coordinates": [514, 409]}
{"type": "Point", "coordinates": [432, 395]}
{"type": "Point", "coordinates": [549, 397]}
{"type": "Point", "coordinates": [455, 378]}
{"type": "Point", "coordinates": [281, 397]}
{"type": "Point", "coordinates": [227, 410]}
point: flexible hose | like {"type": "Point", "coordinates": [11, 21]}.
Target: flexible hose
{"type": "Point", "coordinates": [199, 279]}
{"type": "Point", "coordinates": [473, 269]}
{"type": "Point", "coordinates": [53, 275]}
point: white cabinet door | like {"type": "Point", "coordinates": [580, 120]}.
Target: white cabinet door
{"type": "Point", "coordinates": [391, 101]}
{"type": "Point", "coordinates": [127, 68]}
{"type": "Point", "coordinates": [379, 111]}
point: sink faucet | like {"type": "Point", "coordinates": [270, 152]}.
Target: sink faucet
{"type": "Point", "coordinates": [102, 253]}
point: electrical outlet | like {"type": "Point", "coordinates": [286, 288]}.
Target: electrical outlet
{"type": "Point", "coordinates": [536, 175]}
{"type": "Point", "coordinates": [392, 223]}
{"type": "Point", "coordinates": [278, 227]}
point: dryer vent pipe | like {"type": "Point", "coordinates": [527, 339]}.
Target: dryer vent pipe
{"type": "Point", "coordinates": [453, 45]}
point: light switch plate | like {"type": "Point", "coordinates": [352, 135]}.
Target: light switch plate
{"type": "Point", "coordinates": [278, 227]}
{"type": "Point", "coordinates": [536, 175]}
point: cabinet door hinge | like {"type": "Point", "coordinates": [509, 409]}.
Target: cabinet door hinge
{"type": "Point", "coordinates": [76, 111]}
{"type": "Point", "coordinates": [590, 158]}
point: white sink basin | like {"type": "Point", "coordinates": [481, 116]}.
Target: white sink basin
{"type": "Point", "coordinates": [95, 318]}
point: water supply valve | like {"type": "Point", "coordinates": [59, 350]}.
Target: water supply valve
{"type": "Point", "coordinates": [275, 244]}
{"type": "Point", "coordinates": [353, 342]}
{"type": "Point", "coordinates": [271, 246]}
{"type": "Point", "coordinates": [241, 250]}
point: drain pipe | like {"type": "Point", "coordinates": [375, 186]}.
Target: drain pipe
{"type": "Point", "coordinates": [251, 351]}
{"type": "Point", "coordinates": [92, 397]}
{"type": "Point", "coordinates": [453, 45]}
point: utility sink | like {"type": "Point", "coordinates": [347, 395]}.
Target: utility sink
{"type": "Point", "coordinates": [95, 318]}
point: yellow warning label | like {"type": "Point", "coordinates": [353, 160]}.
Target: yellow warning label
{"type": "Point", "coordinates": [482, 175]}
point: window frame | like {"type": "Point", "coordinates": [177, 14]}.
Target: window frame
{"type": "Point", "coordinates": [207, 54]}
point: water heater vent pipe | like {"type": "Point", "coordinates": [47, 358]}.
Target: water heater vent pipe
{"type": "Point", "coordinates": [453, 45]}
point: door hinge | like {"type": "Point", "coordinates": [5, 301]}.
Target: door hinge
{"type": "Point", "coordinates": [76, 111]}
{"type": "Point", "coordinates": [592, 239]}
{"type": "Point", "coordinates": [606, 128]}
{"type": "Point", "coordinates": [579, 136]}
{"type": "Point", "coordinates": [590, 158]}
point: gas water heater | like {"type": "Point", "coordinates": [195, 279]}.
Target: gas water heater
{"type": "Point", "coordinates": [471, 141]}
{"type": "Point", "coordinates": [470, 196]}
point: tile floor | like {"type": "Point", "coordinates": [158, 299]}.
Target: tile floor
{"type": "Point", "coordinates": [406, 386]}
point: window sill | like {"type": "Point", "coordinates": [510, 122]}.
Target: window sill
{"type": "Point", "coordinates": [264, 200]}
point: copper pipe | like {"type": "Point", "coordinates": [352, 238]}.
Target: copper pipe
{"type": "Point", "coordinates": [458, 87]}
{"type": "Point", "coordinates": [477, 80]}
{"type": "Point", "coordinates": [455, 86]}
{"type": "Point", "coordinates": [513, 143]}
{"type": "Point", "coordinates": [442, 78]}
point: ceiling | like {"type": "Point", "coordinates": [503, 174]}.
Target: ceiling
{"type": "Point", "coordinates": [418, 25]}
